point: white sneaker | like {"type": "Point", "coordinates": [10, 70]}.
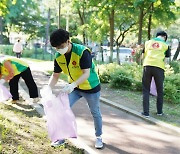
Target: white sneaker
{"type": "Point", "coordinates": [35, 100]}
{"type": "Point", "coordinates": [98, 143]}
{"type": "Point", "coordinates": [57, 143]}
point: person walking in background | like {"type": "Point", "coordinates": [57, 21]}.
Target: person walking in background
{"type": "Point", "coordinates": [18, 48]}
{"type": "Point", "coordinates": [75, 60]}
{"type": "Point", "coordinates": [11, 69]}
{"type": "Point", "coordinates": [154, 54]}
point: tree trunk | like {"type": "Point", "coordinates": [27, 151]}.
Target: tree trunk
{"type": "Point", "coordinates": [150, 22]}
{"type": "Point", "coordinates": [84, 38]}
{"type": "Point", "coordinates": [67, 21]}
{"type": "Point", "coordinates": [140, 25]}
{"type": "Point", "coordinates": [1, 30]}
{"type": "Point", "coordinates": [111, 21]}
{"type": "Point", "coordinates": [177, 52]}
{"type": "Point", "coordinates": [59, 17]}
{"type": "Point", "coordinates": [118, 46]}
{"type": "Point", "coordinates": [82, 20]}
{"type": "Point", "coordinates": [118, 59]}
{"type": "Point", "coordinates": [47, 32]}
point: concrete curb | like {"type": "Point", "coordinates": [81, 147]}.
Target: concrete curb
{"type": "Point", "coordinates": [137, 114]}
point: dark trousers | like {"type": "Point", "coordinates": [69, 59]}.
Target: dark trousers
{"type": "Point", "coordinates": [27, 77]}
{"type": "Point", "coordinates": [18, 55]}
{"type": "Point", "coordinates": [158, 74]}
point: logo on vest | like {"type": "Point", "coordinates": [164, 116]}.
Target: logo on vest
{"type": "Point", "coordinates": [155, 45]}
{"type": "Point", "coordinates": [74, 63]}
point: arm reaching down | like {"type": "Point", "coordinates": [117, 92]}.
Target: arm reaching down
{"type": "Point", "coordinates": [70, 87]}
{"type": "Point", "coordinates": [53, 79]}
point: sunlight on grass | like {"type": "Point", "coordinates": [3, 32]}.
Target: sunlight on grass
{"type": "Point", "coordinates": [39, 134]}
{"type": "Point", "coordinates": [20, 149]}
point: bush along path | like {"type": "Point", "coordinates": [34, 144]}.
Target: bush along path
{"type": "Point", "coordinates": [122, 84]}
{"type": "Point", "coordinates": [23, 130]}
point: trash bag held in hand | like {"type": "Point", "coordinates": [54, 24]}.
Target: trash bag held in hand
{"type": "Point", "coordinates": [153, 90]}
{"type": "Point", "coordinates": [4, 93]}
{"type": "Point", "coordinates": [61, 122]}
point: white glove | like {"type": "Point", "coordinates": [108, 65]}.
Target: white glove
{"type": "Point", "coordinates": [45, 91]}
{"type": "Point", "coordinates": [69, 87]}
{"type": "Point", "coordinates": [2, 81]}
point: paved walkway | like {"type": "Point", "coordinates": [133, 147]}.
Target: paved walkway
{"type": "Point", "coordinates": [123, 133]}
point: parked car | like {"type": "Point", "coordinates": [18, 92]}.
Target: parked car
{"type": "Point", "coordinates": [125, 54]}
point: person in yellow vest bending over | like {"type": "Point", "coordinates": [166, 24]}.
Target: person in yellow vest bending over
{"type": "Point", "coordinates": [154, 54]}
{"type": "Point", "coordinates": [11, 69]}
{"type": "Point", "coordinates": [75, 61]}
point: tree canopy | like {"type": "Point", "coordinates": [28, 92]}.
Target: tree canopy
{"type": "Point", "coordinates": [90, 20]}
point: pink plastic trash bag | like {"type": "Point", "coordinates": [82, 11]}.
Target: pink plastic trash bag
{"type": "Point", "coordinates": [4, 93]}
{"type": "Point", "coordinates": [153, 90]}
{"type": "Point", "coordinates": [61, 122]}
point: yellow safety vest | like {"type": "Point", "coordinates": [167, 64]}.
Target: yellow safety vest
{"type": "Point", "coordinates": [17, 65]}
{"type": "Point", "coordinates": [155, 53]}
{"type": "Point", "coordinates": [74, 71]}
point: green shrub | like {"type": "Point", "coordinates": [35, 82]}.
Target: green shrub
{"type": "Point", "coordinates": [136, 85]}
{"type": "Point", "coordinates": [134, 69]}
{"type": "Point", "coordinates": [76, 40]}
{"type": "Point", "coordinates": [104, 77]}
{"type": "Point", "coordinates": [176, 66]}
{"type": "Point", "coordinates": [121, 79]}
{"type": "Point", "coordinates": [129, 76]}
{"type": "Point", "coordinates": [131, 71]}
{"type": "Point", "coordinates": [27, 53]}
{"type": "Point", "coordinates": [172, 88]}
{"type": "Point", "coordinates": [168, 70]}
{"type": "Point", "coordinates": [6, 49]}
{"type": "Point", "coordinates": [106, 70]}
{"type": "Point", "coordinates": [174, 79]}
{"type": "Point", "coordinates": [170, 92]}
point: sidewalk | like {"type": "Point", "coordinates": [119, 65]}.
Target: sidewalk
{"type": "Point", "coordinates": [122, 132]}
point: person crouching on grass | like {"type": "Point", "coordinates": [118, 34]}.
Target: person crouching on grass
{"type": "Point", "coordinates": [11, 69]}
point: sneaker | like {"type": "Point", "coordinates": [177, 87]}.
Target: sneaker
{"type": "Point", "coordinates": [21, 98]}
{"type": "Point", "coordinates": [98, 143]}
{"type": "Point", "coordinates": [35, 100]}
{"type": "Point", "coordinates": [11, 101]}
{"type": "Point", "coordinates": [57, 143]}
{"type": "Point", "coordinates": [159, 114]}
{"type": "Point", "coordinates": [14, 101]}
{"type": "Point", "coordinates": [145, 115]}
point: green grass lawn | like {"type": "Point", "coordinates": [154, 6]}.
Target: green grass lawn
{"type": "Point", "coordinates": [23, 130]}
{"type": "Point", "coordinates": [133, 100]}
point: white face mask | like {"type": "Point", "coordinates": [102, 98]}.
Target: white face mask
{"type": "Point", "coordinates": [161, 37]}
{"type": "Point", "coordinates": [62, 51]}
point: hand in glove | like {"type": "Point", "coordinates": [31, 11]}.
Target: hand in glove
{"type": "Point", "coordinates": [45, 91]}
{"type": "Point", "coordinates": [69, 87]}
{"type": "Point", "coordinates": [2, 81]}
